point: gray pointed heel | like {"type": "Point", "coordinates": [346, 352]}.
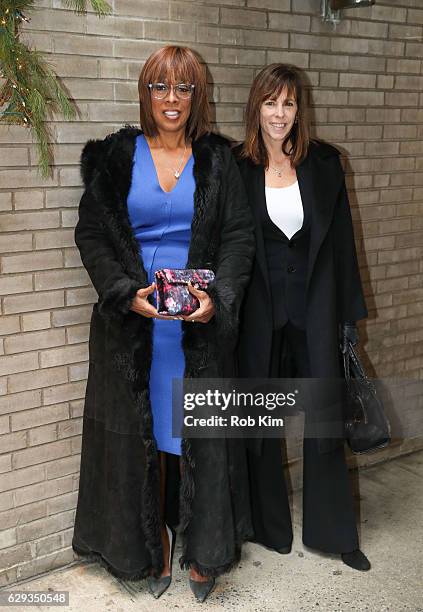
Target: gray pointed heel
{"type": "Point", "coordinates": [202, 590]}
{"type": "Point", "coordinates": [157, 586]}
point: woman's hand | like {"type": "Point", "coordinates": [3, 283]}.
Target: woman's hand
{"type": "Point", "coordinates": [206, 311]}
{"type": "Point", "coordinates": [142, 306]}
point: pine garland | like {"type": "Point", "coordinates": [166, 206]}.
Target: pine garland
{"type": "Point", "coordinates": [80, 6]}
{"type": "Point", "coordinates": [31, 92]}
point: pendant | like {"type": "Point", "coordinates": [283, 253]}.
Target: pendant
{"type": "Point", "coordinates": [177, 175]}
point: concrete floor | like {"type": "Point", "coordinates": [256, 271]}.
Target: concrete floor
{"type": "Point", "coordinates": [390, 499]}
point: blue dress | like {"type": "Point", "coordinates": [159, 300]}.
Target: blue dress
{"type": "Point", "coordinates": [161, 222]}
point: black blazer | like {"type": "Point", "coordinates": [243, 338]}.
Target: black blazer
{"type": "Point", "coordinates": [287, 265]}
{"type": "Point", "coordinates": [333, 287]}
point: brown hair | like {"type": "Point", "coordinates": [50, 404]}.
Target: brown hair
{"type": "Point", "coordinates": [177, 65]}
{"type": "Point", "coordinates": [268, 84]}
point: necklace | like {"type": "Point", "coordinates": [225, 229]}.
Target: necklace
{"type": "Point", "coordinates": [277, 171]}
{"type": "Point", "coordinates": [177, 172]}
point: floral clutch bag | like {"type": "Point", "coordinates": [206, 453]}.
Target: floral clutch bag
{"type": "Point", "coordinates": [173, 295]}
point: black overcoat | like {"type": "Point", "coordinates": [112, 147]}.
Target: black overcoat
{"type": "Point", "coordinates": [334, 292]}
{"type": "Point", "coordinates": [118, 517]}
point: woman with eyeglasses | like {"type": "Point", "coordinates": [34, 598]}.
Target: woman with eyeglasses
{"type": "Point", "coordinates": [167, 196]}
{"type": "Point", "coordinates": [305, 288]}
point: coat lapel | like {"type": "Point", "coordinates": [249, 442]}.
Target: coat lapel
{"type": "Point", "coordinates": [207, 171]}
{"type": "Point", "coordinates": [110, 185]}
{"type": "Point", "coordinates": [318, 191]}
{"type": "Point", "coordinates": [256, 189]}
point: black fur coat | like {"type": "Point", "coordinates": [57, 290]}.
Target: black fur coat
{"type": "Point", "coordinates": [117, 519]}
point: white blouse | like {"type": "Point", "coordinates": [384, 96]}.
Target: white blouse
{"type": "Point", "coordinates": [285, 208]}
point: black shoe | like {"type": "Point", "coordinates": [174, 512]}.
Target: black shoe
{"type": "Point", "coordinates": [357, 560]}
{"type": "Point", "coordinates": [284, 550]}
{"type": "Point", "coordinates": [201, 589]}
{"type": "Point", "coordinates": [157, 586]}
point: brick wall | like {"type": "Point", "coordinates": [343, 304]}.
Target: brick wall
{"type": "Point", "coordinates": [367, 79]}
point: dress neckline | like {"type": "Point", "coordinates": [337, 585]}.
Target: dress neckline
{"type": "Point", "coordinates": [144, 140]}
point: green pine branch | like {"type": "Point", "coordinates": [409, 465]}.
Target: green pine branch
{"type": "Point", "coordinates": [31, 91]}
{"type": "Point", "coordinates": [100, 7]}
{"type": "Point", "coordinates": [17, 5]}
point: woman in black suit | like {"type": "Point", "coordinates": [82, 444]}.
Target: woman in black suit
{"type": "Point", "coordinates": [305, 286]}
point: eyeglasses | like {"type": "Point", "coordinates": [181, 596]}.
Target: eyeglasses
{"type": "Point", "coordinates": [183, 91]}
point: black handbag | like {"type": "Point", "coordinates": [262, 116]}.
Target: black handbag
{"type": "Point", "coordinates": [366, 425]}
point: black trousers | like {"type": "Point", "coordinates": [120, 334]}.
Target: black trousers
{"type": "Point", "coordinates": [329, 522]}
